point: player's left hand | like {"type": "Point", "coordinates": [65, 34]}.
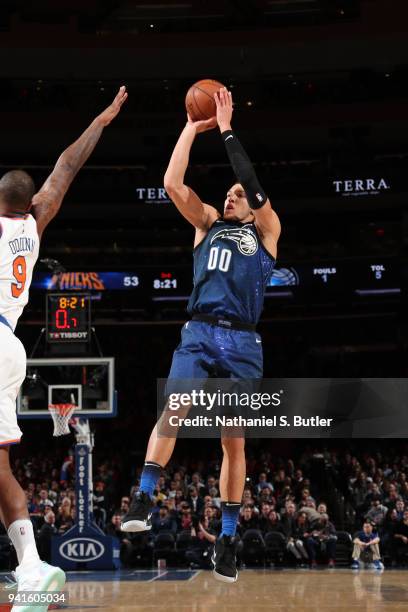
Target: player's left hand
{"type": "Point", "coordinates": [223, 102]}
{"type": "Point", "coordinates": [113, 109]}
{"type": "Point", "coordinates": [201, 126]}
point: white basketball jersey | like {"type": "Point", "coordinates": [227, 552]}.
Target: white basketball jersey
{"type": "Point", "coordinates": [19, 246]}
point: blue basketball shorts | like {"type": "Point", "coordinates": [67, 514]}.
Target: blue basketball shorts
{"type": "Point", "coordinates": [208, 350]}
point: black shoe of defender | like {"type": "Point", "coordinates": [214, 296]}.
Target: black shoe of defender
{"type": "Point", "coordinates": [224, 559]}
{"type": "Point", "coordinates": [139, 515]}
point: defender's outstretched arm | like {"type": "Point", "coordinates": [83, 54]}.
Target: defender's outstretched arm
{"type": "Point", "coordinates": [48, 200]}
{"type": "Point", "coordinates": [187, 201]}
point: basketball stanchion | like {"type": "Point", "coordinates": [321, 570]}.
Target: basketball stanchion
{"type": "Point", "coordinates": [84, 546]}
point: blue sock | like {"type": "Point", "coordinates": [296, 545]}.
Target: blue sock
{"type": "Point", "coordinates": [150, 476]}
{"type": "Point", "coordinates": [230, 514]}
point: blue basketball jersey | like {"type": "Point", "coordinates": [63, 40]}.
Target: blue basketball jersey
{"type": "Point", "coordinates": [231, 271]}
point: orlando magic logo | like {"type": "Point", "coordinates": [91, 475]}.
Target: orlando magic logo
{"type": "Point", "coordinates": [244, 238]}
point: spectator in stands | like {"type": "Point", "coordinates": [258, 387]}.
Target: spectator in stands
{"type": "Point", "coordinates": [273, 524]}
{"type": "Point", "coordinates": [322, 540]}
{"type": "Point", "coordinates": [33, 503]}
{"type": "Point", "coordinates": [124, 504]}
{"type": "Point", "coordinates": [404, 491]}
{"type": "Point", "coordinates": [215, 497]}
{"type": "Point", "coordinates": [170, 504]}
{"type": "Point", "coordinates": [288, 517]}
{"type": "Point", "coordinates": [248, 520]}
{"type": "Point", "coordinates": [195, 502]}
{"type": "Point", "coordinates": [296, 539]}
{"type": "Point", "coordinates": [310, 510]}
{"type": "Point", "coordinates": [54, 492]}
{"type": "Point", "coordinates": [298, 480]}
{"type": "Point", "coordinates": [158, 494]}
{"type": "Point", "coordinates": [367, 547]}
{"type": "Point", "coordinates": [162, 521]}
{"type": "Point", "coordinates": [263, 482]}
{"type": "Point", "coordinates": [399, 542]}
{"type": "Point", "coordinates": [399, 509]}
{"type": "Point", "coordinates": [47, 530]}
{"type": "Point", "coordinates": [392, 496]}
{"type": "Point", "coordinates": [99, 504]}
{"type": "Point", "coordinates": [64, 519]}
{"type": "Point", "coordinates": [161, 483]}
{"type": "Point", "coordinates": [45, 500]}
{"type": "Point", "coordinates": [377, 512]}
{"type": "Point", "coordinates": [247, 497]}
{"type": "Point", "coordinates": [199, 555]}
{"type": "Point", "coordinates": [197, 482]}
{"type": "Point", "coordinates": [286, 496]}
{"type": "Point", "coordinates": [126, 545]}
{"type": "Point", "coordinates": [174, 486]}
{"type": "Point", "coordinates": [212, 483]}
{"type": "Point", "coordinates": [266, 495]}
{"type": "Point", "coordinates": [387, 538]}
{"type": "Point", "coordinates": [264, 515]}
{"type": "Point", "coordinates": [373, 491]}
{"type": "Point", "coordinates": [304, 497]}
{"type": "Point", "coordinates": [185, 517]}
{"type": "Point", "coordinates": [179, 498]}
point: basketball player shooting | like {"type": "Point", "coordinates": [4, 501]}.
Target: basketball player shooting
{"type": "Point", "coordinates": [234, 256]}
{"type": "Point", "coordinates": [20, 235]}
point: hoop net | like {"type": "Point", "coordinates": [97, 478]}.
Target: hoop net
{"type": "Point", "coordinates": [61, 415]}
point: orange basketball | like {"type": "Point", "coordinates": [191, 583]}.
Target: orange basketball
{"type": "Point", "coordinates": [200, 102]}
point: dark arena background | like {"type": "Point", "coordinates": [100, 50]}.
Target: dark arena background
{"type": "Point", "coordinates": [320, 91]}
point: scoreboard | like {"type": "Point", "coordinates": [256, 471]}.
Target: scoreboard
{"type": "Point", "coordinates": [68, 313]}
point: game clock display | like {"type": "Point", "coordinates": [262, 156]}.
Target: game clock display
{"type": "Point", "coordinates": [68, 317]}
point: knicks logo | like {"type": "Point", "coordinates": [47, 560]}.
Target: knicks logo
{"type": "Point", "coordinates": [244, 238]}
{"type": "Point", "coordinates": [77, 280]}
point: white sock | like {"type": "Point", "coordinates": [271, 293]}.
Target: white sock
{"type": "Point", "coordinates": [21, 533]}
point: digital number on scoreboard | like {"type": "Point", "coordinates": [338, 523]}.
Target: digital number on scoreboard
{"type": "Point", "coordinates": [68, 317]}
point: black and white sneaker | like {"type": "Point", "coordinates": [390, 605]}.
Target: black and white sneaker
{"type": "Point", "coordinates": [140, 513]}
{"type": "Point", "coordinates": [224, 559]}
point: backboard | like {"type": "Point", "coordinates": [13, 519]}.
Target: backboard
{"type": "Point", "coordinates": [87, 381]}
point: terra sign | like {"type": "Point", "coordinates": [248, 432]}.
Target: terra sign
{"type": "Point", "coordinates": [152, 195]}
{"type": "Point", "coordinates": [360, 187]}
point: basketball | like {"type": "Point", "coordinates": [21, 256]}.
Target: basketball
{"type": "Point", "coordinates": [200, 99]}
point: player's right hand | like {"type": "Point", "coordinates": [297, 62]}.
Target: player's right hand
{"type": "Point", "coordinates": [113, 109]}
{"type": "Point", "coordinates": [202, 126]}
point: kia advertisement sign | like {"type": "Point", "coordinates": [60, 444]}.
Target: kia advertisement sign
{"type": "Point", "coordinates": [82, 550]}
{"type": "Point", "coordinates": [92, 550]}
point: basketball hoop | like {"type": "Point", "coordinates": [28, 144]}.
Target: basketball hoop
{"type": "Point", "coordinates": [61, 415]}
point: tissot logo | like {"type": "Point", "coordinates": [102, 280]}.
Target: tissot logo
{"type": "Point", "coordinates": [152, 195]}
{"type": "Point", "coordinates": [356, 187]}
{"type": "Point", "coordinates": [81, 550]}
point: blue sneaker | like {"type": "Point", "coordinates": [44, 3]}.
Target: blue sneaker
{"type": "Point", "coordinates": [355, 565]}
{"type": "Point", "coordinates": [378, 565]}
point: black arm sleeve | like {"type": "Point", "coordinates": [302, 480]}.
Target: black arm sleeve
{"type": "Point", "coordinates": [244, 170]}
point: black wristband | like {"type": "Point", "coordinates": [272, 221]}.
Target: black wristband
{"type": "Point", "coordinates": [244, 170]}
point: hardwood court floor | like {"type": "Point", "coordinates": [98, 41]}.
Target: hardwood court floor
{"type": "Point", "coordinates": [279, 591]}
{"type": "Point", "coordinates": [339, 590]}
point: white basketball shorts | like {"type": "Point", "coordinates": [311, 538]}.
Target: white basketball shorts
{"type": "Point", "coordinates": [12, 375]}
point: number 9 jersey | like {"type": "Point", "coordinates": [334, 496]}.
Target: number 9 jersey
{"type": "Point", "coordinates": [19, 246]}
{"type": "Point", "coordinates": [231, 272]}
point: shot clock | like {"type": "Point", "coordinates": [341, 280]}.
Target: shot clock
{"type": "Point", "coordinates": [68, 317]}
